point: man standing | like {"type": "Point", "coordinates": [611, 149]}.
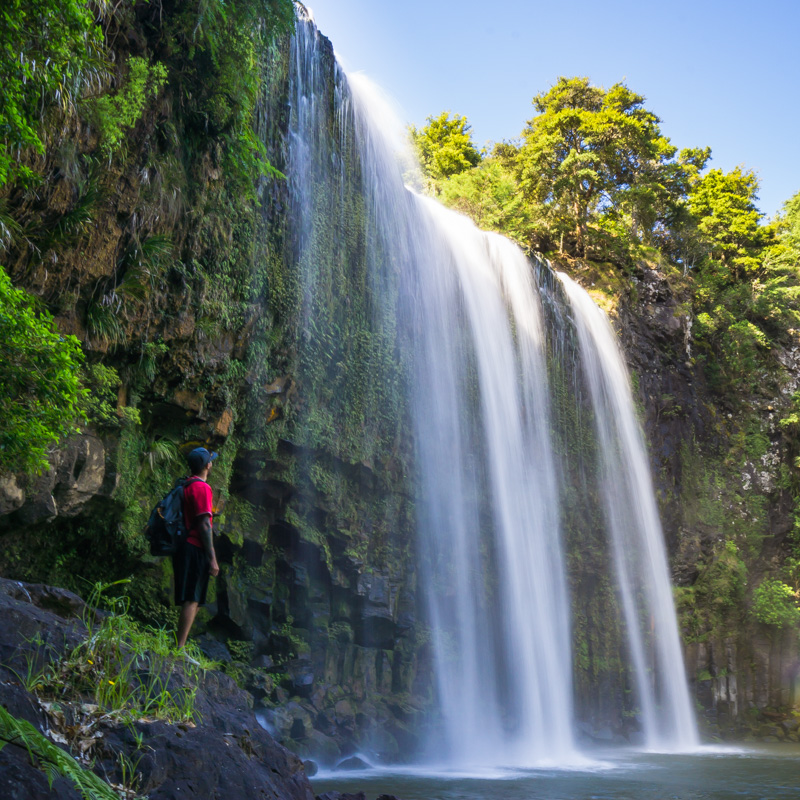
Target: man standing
{"type": "Point", "coordinates": [195, 559]}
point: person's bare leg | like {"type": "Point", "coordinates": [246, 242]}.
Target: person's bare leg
{"type": "Point", "coordinates": [186, 620]}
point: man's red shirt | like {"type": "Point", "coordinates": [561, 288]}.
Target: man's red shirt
{"type": "Point", "coordinates": [197, 501]}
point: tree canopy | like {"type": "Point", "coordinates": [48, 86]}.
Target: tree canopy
{"type": "Point", "coordinates": [592, 154]}
{"type": "Point", "coordinates": [445, 145]}
{"type": "Point", "coordinates": [724, 206]}
{"type": "Point", "coordinates": [593, 176]}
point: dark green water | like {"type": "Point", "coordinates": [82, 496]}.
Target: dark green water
{"type": "Point", "coordinates": [760, 772]}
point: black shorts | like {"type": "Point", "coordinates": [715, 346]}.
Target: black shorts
{"type": "Point", "coordinates": [190, 568]}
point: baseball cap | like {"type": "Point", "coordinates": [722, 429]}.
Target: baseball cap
{"type": "Point", "coordinates": [199, 458]}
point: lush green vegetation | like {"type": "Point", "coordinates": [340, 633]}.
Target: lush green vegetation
{"type": "Point", "coordinates": [122, 673]}
{"type": "Point", "coordinates": [123, 668]}
{"type": "Point", "coordinates": [40, 387]}
{"type": "Point", "coordinates": [592, 176]}
{"type": "Point", "coordinates": [444, 145]}
{"type": "Point", "coordinates": [176, 117]}
{"type": "Point", "coordinates": [50, 53]}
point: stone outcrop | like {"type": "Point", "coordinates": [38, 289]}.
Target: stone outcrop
{"type": "Point", "coordinates": [77, 475]}
{"type": "Point", "coordinates": [226, 754]}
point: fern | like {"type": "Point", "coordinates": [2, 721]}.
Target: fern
{"type": "Point", "coordinates": [52, 760]}
{"type": "Point", "coordinates": [163, 451]}
{"type": "Point", "coordinates": [102, 321]}
{"type": "Point", "coordinates": [144, 262]}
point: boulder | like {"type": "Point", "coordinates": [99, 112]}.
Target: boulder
{"type": "Point", "coordinates": [80, 474]}
{"type": "Point", "coordinates": [353, 763]}
{"type": "Point", "coordinates": [227, 753]}
{"type": "Point", "coordinates": [12, 495]}
{"type": "Point", "coordinates": [77, 474]}
{"type": "Point", "coordinates": [341, 796]}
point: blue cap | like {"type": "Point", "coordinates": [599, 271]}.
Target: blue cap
{"type": "Point", "coordinates": [199, 458]}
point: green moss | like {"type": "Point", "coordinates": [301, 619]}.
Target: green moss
{"type": "Point", "coordinates": [310, 534]}
{"type": "Point", "coordinates": [116, 114]}
{"type": "Point", "coordinates": [713, 606]}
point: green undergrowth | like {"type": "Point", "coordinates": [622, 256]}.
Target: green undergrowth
{"type": "Point", "coordinates": [775, 604]}
{"type": "Point", "coordinates": [125, 669]}
{"type": "Point", "coordinates": [51, 759]}
{"type": "Point", "coordinates": [713, 605]}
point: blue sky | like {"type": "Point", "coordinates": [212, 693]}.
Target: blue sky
{"type": "Point", "coordinates": [722, 74]}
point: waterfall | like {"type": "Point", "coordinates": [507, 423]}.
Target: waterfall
{"type": "Point", "coordinates": [489, 537]}
{"type": "Point", "coordinates": [465, 313]}
{"type": "Point", "coordinates": [637, 540]}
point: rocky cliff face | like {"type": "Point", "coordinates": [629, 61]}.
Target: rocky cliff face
{"type": "Point", "coordinates": [227, 752]}
{"type": "Point", "coordinates": [723, 473]}
{"type": "Point", "coordinates": [316, 608]}
{"type": "Point", "coordinates": [317, 611]}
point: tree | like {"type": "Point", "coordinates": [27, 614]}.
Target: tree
{"type": "Point", "coordinates": [736, 300]}
{"type": "Point", "coordinates": [40, 388]}
{"type": "Point", "coordinates": [592, 153]}
{"type": "Point", "coordinates": [489, 195]}
{"type": "Point", "coordinates": [445, 146]}
{"type": "Point", "coordinates": [724, 207]}
{"type": "Point", "coordinates": [777, 290]}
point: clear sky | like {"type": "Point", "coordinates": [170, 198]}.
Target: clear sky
{"type": "Point", "coordinates": [719, 74]}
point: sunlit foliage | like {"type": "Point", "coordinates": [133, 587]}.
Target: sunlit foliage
{"type": "Point", "coordinates": [445, 145]}
{"type": "Point", "coordinates": [40, 389]}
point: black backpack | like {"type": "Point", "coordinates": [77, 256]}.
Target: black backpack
{"type": "Point", "coordinates": [165, 529]}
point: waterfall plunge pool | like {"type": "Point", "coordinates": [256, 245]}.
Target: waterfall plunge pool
{"type": "Point", "coordinates": [714, 772]}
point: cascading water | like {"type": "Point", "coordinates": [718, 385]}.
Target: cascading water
{"type": "Point", "coordinates": [464, 308]}
{"type": "Point", "coordinates": [489, 523]}
{"type": "Point", "coordinates": [637, 540]}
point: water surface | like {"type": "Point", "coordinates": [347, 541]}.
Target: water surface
{"type": "Point", "coordinates": [760, 772]}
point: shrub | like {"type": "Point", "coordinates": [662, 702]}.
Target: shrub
{"type": "Point", "coordinates": [775, 603]}
{"type": "Point", "coordinates": [40, 387]}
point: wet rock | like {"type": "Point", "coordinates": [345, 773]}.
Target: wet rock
{"type": "Point", "coordinates": [301, 677]}
{"type": "Point", "coordinates": [258, 683]}
{"type": "Point", "coordinates": [603, 735]}
{"type": "Point", "coordinates": [324, 747]}
{"type": "Point", "coordinates": [375, 621]}
{"type": "Point", "coordinates": [80, 474]}
{"type": "Point", "coordinates": [341, 796]}
{"type": "Point", "coordinates": [19, 780]}
{"type": "Point", "coordinates": [278, 386]}
{"type": "Point", "coordinates": [344, 714]}
{"type": "Point", "coordinates": [262, 661]}
{"type": "Point", "coordinates": [233, 613]}
{"type": "Point", "coordinates": [12, 495]}
{"type": "Point", "coordinates": [189, 400]}
{"type": "Point", "coordinates": [212, 649]}
{"type": "Point", "coordinates": [226, 754]}
{"type": "Point", "coordinates": [790, 725]}
{"type": "Point", "coordinates": [310, 767]}
{"type": "Point", "coordinates": [77, 476]}
{"type": "Point", "coordinates": [222, 426]}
